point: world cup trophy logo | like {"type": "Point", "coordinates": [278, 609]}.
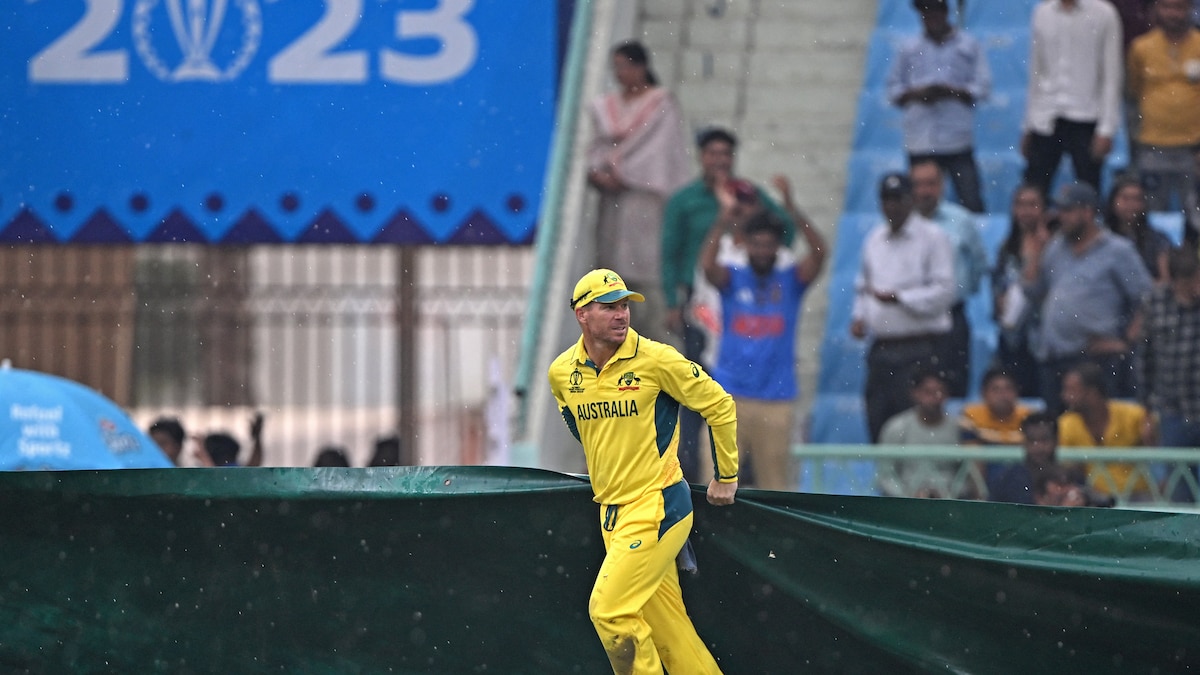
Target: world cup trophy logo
{"type": "Point", "coordinates": [210, 47]}
{"type": "Point", "coordinates": [195, 26]}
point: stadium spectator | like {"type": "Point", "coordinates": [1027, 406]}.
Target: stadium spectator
{"type": "Point", "coordinates": [1056, 486]}
{"type": "Point", "coordinates": [637, 160]}
{"type": "Point", "coordinates": [925, 423]}
{"type": "Point", "coordinates": [221, 449]}
{"type": "Point", "coordinates": [1170, 363]}
{"type": "Point", "coordinates": [1163, 77]}
{"type": "Point", "coordinates": [938, 78]}
{"type": "Point", "coordinates": [1125, 215]}
{"type": "Point", "coordinates": [168, 433]}
{"type": "Point", "coordinates": [1030, 228]}
{"type": "Point", "coordinates": [689, 216]}
{"type": "Point", "coordinates": [1089, 284]}
{"type": "Point", "coordinates": [387, 452]}
{"type": "Point", "coordinates": [762, 285]}
{"type": "Point", "coordinates": [1073, 104]}
{"type": "Point", "coordinates": [970, 264]}
{"type": "Point", "coordinates": [1094, 420]}
{"type": "Point", "coordinates": [332, 456]}
{"type": "Point", "coordinates": [903, 293]}
{"type": "Point", "coordinates": [1039, 440]}
{"type": "Point", "coordinates": [996, 420]}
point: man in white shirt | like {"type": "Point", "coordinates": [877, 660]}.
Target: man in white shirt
{"type": "Point", "coordinates": [904, 291]}
{"type": "Point", "coordinates": [1074, 99]}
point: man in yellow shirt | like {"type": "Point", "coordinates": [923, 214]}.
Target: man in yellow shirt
{"type": "Point", "coordinates": [620, 394]}
{"type": "Point", "coordinates": [1092, 420]}
{"type": "Point", "coordinates": [1163, 78]}
{"type": "Point", "coordinates": [996, 420]}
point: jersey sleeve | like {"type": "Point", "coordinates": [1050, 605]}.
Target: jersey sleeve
{"type": "Point", "coordinates": [694, 388]}
{"type": "Point", "coordinates": [563, 408]}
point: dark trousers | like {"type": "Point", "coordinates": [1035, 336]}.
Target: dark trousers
{"type": "Point", "coordinates": [1018, 361]}
{"type": "Point", "coordinates": [1117, 370]}
{"type": "Point", "coordinates": [890, 366]}
{"type": "Point", "coordinates": [954, 353]}
{"type": "Point", "coordinates": [1045, 153]}
{"type": "Point", "coordinates": [963, 172]}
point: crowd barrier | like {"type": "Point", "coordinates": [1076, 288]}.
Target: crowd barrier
{"type": "Point", "coordinates": [488, 570]}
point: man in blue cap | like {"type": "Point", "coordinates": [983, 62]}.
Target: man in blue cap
{"type": "Point", "coordinates": [1090, 284]}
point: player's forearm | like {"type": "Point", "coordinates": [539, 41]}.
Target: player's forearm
{"type": "Point", "coordinates": [725, 452]}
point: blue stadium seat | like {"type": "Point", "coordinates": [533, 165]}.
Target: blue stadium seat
{"type": "Point", "coordinates": [1008, 57]}
{"type": "Point", "coordinates": [998, 120]}
{"type": "Point", "coordinates": [841, 359]}
{"type": "Point", "coordinates": [842, 417]}
{"type": "Point", "coordinates": [881, 46]}
{"type": "Point", "coordinates": [852, 228]}
{"type": "Point", "coordinates": [897, 15]}
{"type": "Point", "coordinates": [994, 230]}
{"type": "Point", "coordinates": [865, 169]}
{"type": "Point", "coordinates": [879, 122]}
{"type": "Point", "coordinates": [1170, 223]}
{"type": "Point", "coordinates": [1002, 173]}
{"type": "Point", "coordinates": [998, 14]}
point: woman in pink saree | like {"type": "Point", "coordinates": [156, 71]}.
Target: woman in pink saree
{"type": "Point", "coordinates": [638, 158]}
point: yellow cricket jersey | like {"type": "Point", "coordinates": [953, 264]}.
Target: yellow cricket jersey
{"type": "Point", "coordinates": [626, 415]}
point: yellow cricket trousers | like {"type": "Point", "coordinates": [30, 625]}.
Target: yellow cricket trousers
{"type": "Point", "coordinates": [636, 604]}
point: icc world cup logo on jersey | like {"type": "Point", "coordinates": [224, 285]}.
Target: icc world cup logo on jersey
{"type": "Point", "coordinates": [576, 380]}
{"type": "Point", "coordinates": [198, 36]}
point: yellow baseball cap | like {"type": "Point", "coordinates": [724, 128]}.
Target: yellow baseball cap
{"type": "Point", "coordinates": [602, 286]}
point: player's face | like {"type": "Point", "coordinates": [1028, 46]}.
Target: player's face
{"type": "Point", "coordinates": [606, 323]}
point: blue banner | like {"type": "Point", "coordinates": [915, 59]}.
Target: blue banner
{"type": "Point", "coordinates": [260, 121]}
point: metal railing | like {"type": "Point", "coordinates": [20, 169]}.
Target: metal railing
{"type": "Point", "coordinates": [1168, 473]}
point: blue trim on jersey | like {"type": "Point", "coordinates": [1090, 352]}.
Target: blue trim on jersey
{"type": "Point", "coordinates": [666, 418]}
{"type": "Point", "coordinates": [677, 504]}
{"type": "Point", "coordinates": [569, 418]}
{"type": "Point", "coordinates": [712, 448]}
{"type": "Point", "coordinates": [610, 517]}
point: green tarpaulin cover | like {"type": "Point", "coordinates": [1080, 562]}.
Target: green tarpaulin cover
{"type": "Point", "coordinates": [488, 570]}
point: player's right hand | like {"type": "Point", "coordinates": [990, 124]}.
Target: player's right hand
{"type": "Point", "coordinates": [721, 494]}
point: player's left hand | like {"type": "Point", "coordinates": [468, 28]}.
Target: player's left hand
{"type": "Point", "coordinates": [721, 494]}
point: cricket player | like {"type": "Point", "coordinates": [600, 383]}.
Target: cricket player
{"type": "Point", "coordinates": [620, 395]}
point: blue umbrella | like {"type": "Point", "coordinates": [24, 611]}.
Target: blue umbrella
{"type": "Point", "coordinates": [49, 423]}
